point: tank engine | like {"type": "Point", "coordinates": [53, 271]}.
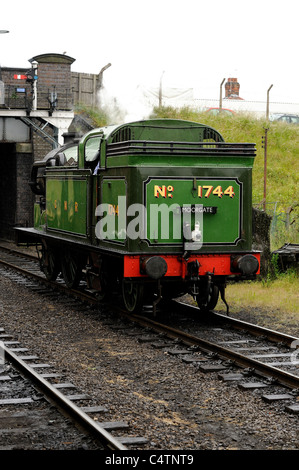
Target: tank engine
{"type": "Point", "coordinates": [159, 208]}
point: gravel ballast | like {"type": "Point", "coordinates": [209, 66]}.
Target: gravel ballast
{"type": "Point", "coordinates": [172, 404]}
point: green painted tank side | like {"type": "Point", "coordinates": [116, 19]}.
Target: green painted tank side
{"type": "Point", "coordinates": [228, 229]}
{"type": "Point", "coordinates": [68, 202]}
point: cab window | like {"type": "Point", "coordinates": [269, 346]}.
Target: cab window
{"type": "Point", "coordinates": [92, 147]}
{"type": "Point", "coordinates": [71, 155]}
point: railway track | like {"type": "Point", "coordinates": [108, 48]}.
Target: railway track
{"type": "Point", "coordinates": [24, 381]}
{"type": "Point", "coordinates": [92, 431]}
{"type": "Point", "coordinates": [257, 357]}
{"type": "Point", "coordinates": [29, 404]}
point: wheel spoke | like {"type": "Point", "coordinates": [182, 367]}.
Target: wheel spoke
{"type": "Point", "coordinates": [133, 295]}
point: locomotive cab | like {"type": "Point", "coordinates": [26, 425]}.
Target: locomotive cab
{"type": "Point", "coordinates": [66, 155]}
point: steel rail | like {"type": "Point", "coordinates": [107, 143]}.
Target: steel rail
{"type": "Point", "coordinates": [67, 405]}
{"type": "Point", "coordinates": [283, 377]}
{"type": "Point", "coordinates": [257, 330]}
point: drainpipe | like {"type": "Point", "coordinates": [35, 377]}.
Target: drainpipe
{"type": "Point", "coordinates": [100, 83]}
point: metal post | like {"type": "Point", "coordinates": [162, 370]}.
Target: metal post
{"type": "Point", "coordinates": [160, 91]}
{"type": "Point", "coordinates": [267, 111]}
{"type": "Point", "coordinates": [265, 142]}
{"type": "Point", "coordinates": [220, 99]}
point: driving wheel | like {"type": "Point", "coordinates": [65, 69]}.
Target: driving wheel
{"type": "Point", "coordinates": [71, 269]}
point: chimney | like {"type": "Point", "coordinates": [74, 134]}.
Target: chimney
{"type": "Point", "coordinates": [232, 88]}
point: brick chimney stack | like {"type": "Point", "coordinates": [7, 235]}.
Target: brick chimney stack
{"type": "Point", "coordinates": [232, 88]}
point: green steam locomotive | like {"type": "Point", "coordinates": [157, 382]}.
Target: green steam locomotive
{"type": "Point", "coordinates": [156, 208]}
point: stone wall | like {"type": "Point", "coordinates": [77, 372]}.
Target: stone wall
{"type": "Point", "coordinates": [16, 200]}
{"type": "Point", "coordinates": [25, 197]}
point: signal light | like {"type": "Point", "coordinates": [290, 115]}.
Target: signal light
{"type": "Point", "coordinates": [30, 74]}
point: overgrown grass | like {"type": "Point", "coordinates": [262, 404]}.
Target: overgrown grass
{"type": "Point", "coordinates": [281, 293]}
{"type": "Point", "coordinates": [97, 117]}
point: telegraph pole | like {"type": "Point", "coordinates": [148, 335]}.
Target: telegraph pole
{"type": "Point", "coordinates": [267, 111]}
{"type": "Point", "coordinates": [264, 145]}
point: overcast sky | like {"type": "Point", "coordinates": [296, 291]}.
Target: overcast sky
{"type": "Point", "coordinates": [196, 43]}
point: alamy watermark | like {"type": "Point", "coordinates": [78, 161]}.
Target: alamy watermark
{"type": "Point", "coordinates": [163, 222]}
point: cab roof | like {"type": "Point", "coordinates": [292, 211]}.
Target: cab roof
{"type": "Point", "coordinates": [157, 129]}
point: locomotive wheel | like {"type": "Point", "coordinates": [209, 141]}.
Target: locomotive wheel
{"type": "Point", "coordinates": [103, 293]}
{"type": "Point", "coordinates": [133, 295]}
{"type": "Point", "coordinates": [71, 269]}
{"type": "Point", "coordinates": [212, 300]}
{"type": "Point", "coordinates": [50, 264]}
